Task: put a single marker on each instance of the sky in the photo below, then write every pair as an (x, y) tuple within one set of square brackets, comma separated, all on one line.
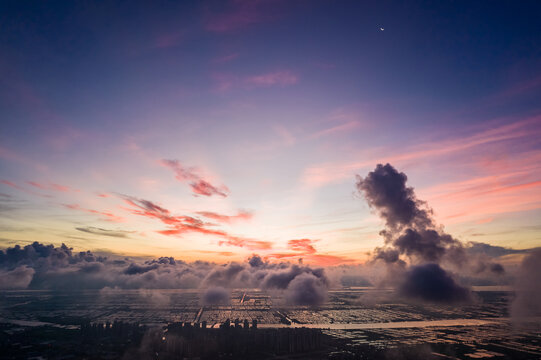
[(216, 130)]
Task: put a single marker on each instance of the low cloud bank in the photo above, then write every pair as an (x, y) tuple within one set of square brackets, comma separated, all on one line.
[(38, 266)]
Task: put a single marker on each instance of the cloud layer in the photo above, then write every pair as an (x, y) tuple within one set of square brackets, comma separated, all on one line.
[(39, 266)]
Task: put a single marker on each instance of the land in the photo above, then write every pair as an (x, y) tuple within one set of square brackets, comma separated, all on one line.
[(355, 323)]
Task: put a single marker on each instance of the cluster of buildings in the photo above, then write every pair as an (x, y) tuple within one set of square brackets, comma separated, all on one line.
[(118, 330), (238, 338)]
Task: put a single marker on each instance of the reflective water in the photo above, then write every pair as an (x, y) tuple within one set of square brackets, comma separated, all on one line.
[(393, 325)]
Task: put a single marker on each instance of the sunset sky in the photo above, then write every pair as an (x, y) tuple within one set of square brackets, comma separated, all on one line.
[(215, 130)]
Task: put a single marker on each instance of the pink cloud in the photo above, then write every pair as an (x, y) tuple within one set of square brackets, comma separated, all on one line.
[(302, 245), (152, 210), (241, 215), (505, 185), (328, 260), (21, 188), (504, 135), (304, 249), (199, 185), (247, 243), (179, 225), (483, 196), (222, 253), (12, 184), (500, 170), (203, 187), (52, 186)]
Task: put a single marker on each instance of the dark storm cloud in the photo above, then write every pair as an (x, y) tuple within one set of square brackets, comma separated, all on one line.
[(410, 231), (385, 190), (38, 266), (412, 234), (427, 244), (430, 282), (103, 232)]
